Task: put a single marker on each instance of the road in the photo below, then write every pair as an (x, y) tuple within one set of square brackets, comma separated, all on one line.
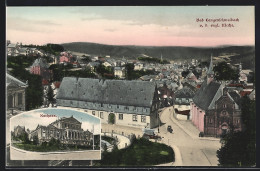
[(194, 151)]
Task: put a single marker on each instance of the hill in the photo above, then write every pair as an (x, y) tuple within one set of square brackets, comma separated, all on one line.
[(243, 53)]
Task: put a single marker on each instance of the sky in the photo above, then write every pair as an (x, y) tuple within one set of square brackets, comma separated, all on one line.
[(131, 25), (32, 118)]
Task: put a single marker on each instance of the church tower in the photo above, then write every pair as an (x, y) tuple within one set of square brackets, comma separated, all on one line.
[(210, 73)]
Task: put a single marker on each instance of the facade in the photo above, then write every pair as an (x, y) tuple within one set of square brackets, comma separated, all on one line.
[(19, 130), (214, 110), (225, 116), (131, 103), (15, 93), (67, 130), (120, 72), (183, 98), (41, 67)]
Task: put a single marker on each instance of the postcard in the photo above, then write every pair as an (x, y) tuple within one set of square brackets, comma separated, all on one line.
[(129, 86)]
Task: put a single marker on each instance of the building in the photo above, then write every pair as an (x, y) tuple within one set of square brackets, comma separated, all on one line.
[(215, 110), (120, 72), (19, 130), (183, 98), (166, 95), (65, 57), (41, 67), (67, 130), (128, 103), (15, 93)]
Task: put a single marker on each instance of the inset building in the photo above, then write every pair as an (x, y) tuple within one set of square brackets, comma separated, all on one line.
[(67, 130)]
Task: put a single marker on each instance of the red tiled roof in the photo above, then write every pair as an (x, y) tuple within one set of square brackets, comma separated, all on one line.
[(57, 84), (244, 93), (45, 82)]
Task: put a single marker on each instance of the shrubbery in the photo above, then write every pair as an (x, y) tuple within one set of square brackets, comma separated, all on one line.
[(141, 152)]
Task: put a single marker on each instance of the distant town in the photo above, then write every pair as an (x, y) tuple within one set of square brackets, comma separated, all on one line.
[(185, 101)]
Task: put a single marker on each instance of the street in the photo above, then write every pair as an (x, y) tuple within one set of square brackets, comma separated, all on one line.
[(194, 151)]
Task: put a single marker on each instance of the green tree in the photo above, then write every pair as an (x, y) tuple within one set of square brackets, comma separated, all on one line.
[(224, 72), (34, 91), (129, 71), (50, 95), (86, 59), (35, 140), (24, 138), (111, 118)]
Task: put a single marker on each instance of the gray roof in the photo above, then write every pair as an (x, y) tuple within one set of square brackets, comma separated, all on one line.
[(235, 97), (40, 62), (23, 49), (120, 92), (10, 80), (94, 64), (119, 68), (11, 45), (206, 94), (185, 92)]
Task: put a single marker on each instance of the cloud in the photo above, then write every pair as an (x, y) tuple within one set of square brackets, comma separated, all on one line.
[(110, 30), (29, 25)]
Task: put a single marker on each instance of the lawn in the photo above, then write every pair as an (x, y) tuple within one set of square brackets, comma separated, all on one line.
[(141, 152)]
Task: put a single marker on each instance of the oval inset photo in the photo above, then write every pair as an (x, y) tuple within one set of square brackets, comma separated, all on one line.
[(55, 134)]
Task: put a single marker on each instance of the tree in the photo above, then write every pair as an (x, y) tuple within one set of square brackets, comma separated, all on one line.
[(111, 118), (224, 72), (86, 59), (129, 71), (35, 140), (24, 138), (185, 73), (50, 95), (105, 147)]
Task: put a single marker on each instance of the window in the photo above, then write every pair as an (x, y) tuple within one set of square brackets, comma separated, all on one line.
[(210, 120), (101, 115), (120, 116), (224, 105), (224, 112), (93, 112), (43, 133), (135, 118), (143, 119), (237, 121), (126, 108), (101, 104)]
